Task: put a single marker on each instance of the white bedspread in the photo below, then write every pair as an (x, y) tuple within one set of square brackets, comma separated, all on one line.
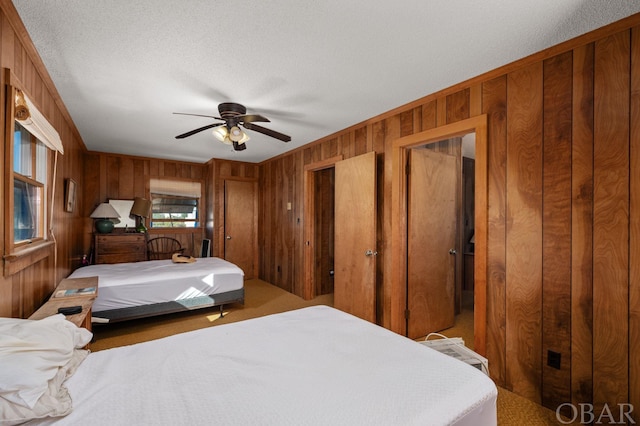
[(122, 285), (313, 366)]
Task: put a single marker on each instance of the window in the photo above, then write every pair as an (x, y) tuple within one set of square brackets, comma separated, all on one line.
[(31, 143), (29, 178), (174, 204), (169, 211)]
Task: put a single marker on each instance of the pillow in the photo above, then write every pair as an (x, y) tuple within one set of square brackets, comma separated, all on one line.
[(55, 402), (32, 352)]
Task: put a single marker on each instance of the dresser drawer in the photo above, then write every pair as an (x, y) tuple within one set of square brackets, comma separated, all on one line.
[(120, 258), (105, 245), (118, 248)]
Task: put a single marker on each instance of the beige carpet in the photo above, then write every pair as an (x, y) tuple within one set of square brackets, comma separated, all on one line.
[(262, 299)]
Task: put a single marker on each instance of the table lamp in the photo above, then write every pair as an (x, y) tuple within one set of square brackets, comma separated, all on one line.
[(140, 208), (104, 213)]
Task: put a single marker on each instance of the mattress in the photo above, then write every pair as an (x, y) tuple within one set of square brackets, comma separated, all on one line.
[(124, 285), (313, 366)]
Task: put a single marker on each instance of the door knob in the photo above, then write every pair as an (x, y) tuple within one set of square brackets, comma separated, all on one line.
[(228, 237), (370, 253), (453, 251)]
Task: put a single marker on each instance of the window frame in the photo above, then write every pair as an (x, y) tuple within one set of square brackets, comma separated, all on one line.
[(13, 248), (178, 187), (41, 234), (197, 219)]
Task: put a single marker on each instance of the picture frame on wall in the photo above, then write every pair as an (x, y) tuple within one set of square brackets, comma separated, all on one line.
[(70, 195)]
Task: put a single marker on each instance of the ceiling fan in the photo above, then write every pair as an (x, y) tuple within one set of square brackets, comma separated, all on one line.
[(229, 132)]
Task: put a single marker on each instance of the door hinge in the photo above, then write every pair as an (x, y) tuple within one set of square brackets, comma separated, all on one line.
[(406, 313)]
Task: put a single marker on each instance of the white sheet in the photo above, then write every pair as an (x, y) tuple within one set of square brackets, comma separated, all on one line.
[(313, 366), (122, 285)]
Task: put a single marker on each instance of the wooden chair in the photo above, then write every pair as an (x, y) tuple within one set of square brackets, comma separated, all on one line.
[(163, 248)]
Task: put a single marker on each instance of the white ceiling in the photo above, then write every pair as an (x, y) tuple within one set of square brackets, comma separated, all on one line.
[(123, 67)]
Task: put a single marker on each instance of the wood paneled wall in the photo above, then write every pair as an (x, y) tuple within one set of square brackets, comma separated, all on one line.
[(563, 208), (23, 292), (114, 176)]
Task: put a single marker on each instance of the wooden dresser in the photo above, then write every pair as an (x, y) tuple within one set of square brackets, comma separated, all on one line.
[(120, 247)]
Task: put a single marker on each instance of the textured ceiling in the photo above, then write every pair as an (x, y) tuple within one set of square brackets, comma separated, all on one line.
[(312, 67)]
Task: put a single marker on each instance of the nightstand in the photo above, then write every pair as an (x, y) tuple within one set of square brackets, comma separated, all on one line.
[(50, 307)]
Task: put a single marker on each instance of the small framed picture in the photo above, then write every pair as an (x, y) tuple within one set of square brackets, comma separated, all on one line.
[(70, 195)]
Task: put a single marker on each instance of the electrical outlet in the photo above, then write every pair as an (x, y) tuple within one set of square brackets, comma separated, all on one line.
[(553, 359)]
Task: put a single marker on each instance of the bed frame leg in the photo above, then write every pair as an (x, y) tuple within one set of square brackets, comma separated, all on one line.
[(221, 312)]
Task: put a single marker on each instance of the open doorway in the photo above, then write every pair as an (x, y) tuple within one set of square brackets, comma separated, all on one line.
[(346, 233), (319, 227), (440, 228), (399, 236), (463, 322), (464, 317), (323, 250)]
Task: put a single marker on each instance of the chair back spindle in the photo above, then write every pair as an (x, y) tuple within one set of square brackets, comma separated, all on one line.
[(163, 248)]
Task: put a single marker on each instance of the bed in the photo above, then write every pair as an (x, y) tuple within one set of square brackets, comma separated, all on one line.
[(155, 287), (312, 366)]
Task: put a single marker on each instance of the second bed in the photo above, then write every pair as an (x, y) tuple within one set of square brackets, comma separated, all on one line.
[(155, 287)]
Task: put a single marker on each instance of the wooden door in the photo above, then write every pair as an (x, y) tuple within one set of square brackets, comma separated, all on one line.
[(433, 183), (240, 225), (355, 236)]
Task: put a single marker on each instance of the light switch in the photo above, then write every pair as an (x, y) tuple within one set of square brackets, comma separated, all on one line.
[(289, 206)]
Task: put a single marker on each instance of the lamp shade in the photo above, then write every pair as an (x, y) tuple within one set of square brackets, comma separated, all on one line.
[(141, 207), (104, 213)]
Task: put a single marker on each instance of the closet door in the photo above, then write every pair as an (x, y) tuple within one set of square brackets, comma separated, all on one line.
[(355, 236), (240, 225), (431, 251)]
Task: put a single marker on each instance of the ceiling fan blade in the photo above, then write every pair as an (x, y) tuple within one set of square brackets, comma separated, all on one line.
[(239, 146), (197, 115), (250, 118), (198, 130), (268, 132)]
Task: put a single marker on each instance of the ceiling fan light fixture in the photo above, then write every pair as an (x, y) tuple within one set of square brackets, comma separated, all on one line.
[(222, 134), (245, 137), (230, 132), (237, 135)]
